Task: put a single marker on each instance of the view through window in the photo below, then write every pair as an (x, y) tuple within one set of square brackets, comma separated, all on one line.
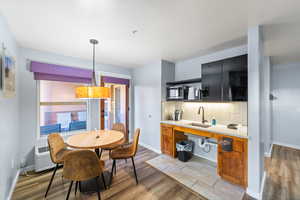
[(60, 110)]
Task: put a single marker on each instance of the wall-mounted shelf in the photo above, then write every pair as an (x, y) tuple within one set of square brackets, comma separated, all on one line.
[(188, 81)]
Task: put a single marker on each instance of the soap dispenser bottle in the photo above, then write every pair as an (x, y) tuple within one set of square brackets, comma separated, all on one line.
[(213, 121)]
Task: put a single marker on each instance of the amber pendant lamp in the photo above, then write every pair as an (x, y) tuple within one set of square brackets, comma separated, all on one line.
[(93, 91)]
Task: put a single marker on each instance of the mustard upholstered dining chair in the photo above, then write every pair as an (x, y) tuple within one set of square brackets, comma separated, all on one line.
[(83, 165), (117, 127), (58, 150), (126, 153)]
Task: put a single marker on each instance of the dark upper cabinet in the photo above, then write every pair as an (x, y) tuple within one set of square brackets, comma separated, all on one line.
[(212, 81), (225, 80), (235, 79)]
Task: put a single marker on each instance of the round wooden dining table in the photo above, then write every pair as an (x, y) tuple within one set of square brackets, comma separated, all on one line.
[(94, 140)]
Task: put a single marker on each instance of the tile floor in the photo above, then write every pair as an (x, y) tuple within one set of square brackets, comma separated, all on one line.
[(199, 175)]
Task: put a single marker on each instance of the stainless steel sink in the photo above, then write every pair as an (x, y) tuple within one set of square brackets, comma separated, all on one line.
[(200, 125)]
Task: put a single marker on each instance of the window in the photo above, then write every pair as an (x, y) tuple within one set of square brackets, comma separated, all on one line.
[(60, 110)]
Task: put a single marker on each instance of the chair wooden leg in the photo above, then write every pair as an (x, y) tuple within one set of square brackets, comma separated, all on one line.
[(50, 183), (136, 179), (100, 153), (97, 152), (79, 186), (99, 197), (76, 186), (115, 167), (103, 180), (69, 190), (112, 171)]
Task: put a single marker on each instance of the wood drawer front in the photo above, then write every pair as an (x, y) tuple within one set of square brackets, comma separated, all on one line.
[(167, 131), (238, 146), (194, 131)]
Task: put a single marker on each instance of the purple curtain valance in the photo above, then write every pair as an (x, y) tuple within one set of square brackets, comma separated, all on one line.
[(109, 79), (52, 72)]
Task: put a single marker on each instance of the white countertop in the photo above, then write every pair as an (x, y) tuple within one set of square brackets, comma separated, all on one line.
[(222, 129)]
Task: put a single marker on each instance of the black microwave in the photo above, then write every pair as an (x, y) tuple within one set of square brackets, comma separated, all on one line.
[(177, 92)]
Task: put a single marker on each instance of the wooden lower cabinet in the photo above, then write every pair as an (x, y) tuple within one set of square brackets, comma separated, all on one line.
[(232, 166), (168, 139)]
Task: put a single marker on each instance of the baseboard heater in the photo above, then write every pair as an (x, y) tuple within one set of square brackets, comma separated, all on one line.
[(42, 160)]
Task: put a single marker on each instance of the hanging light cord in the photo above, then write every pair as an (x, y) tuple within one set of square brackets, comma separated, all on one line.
[(94, 74), (94, 42)]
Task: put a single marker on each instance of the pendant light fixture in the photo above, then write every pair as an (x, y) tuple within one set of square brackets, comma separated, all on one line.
[(93, 91)]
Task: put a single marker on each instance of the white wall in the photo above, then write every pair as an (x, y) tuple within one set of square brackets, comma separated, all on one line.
[(191, 68), (9, 123), (285, 86), (255, 148), (147, 101), (28, 95), (266, 105)]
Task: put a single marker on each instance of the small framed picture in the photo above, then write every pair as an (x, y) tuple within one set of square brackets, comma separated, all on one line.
[(1, 81), (8, 76)]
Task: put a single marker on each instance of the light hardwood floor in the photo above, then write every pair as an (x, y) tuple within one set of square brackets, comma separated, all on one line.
[(283, 175), (152, 184)]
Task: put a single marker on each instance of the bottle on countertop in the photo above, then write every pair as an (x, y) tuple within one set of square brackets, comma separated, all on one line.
[(213, 121)]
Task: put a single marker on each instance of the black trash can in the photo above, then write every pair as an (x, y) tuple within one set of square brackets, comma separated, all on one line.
[(184, 150)]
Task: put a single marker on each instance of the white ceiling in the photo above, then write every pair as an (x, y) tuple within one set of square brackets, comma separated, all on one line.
[(167, 29)]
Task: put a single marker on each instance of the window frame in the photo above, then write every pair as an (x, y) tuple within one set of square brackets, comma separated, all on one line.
[(65, 133)]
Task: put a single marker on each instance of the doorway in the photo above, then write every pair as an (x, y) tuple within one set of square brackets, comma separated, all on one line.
[(115, 109)]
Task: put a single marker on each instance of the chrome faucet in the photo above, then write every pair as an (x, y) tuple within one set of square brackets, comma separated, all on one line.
[(203, 116)]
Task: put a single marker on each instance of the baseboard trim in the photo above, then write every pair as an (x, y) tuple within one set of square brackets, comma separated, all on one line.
[(287, 145), (269, 154), (262, 185), (13, 185), (253, 194), (26, 169), (149, 147)]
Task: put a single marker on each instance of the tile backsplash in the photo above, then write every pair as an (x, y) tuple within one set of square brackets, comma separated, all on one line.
[(225, 113)]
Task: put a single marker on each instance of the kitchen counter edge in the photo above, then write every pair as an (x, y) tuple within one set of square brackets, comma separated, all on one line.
[(219, 129)]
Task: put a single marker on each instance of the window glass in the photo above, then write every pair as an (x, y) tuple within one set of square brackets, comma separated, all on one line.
[(60, 110)]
